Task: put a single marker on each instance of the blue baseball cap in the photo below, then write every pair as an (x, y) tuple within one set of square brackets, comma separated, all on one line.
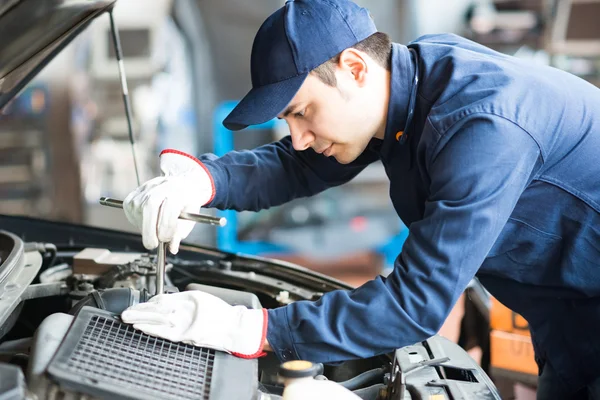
[(293, 41)]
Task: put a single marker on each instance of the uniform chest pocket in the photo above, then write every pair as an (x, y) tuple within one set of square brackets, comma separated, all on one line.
[(526, 245)]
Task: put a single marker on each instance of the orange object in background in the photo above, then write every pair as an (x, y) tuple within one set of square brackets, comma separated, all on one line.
[(504, 319), (512, 354)]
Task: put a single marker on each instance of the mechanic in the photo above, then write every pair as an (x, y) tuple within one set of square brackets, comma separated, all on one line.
[(493, 166)]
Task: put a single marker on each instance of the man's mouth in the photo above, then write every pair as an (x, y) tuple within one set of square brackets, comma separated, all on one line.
[(325, 151)]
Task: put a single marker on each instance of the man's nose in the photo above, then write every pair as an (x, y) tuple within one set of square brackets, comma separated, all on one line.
[(301, 139)]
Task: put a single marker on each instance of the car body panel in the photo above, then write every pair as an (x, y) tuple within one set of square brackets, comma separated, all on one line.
[(33, 32)]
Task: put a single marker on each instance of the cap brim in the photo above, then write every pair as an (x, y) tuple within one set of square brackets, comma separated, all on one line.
[(263, 103)]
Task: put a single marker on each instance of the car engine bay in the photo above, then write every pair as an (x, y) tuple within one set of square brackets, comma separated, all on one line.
[(61, 336)]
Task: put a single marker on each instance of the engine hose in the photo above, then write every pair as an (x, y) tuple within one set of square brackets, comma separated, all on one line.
[(43, 248), (363, 379), (51, 248), (115, 300)]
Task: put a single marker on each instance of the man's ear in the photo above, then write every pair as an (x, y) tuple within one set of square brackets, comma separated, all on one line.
[(355, 63)]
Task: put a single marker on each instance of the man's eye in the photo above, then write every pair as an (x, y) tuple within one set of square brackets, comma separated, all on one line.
[(299, 114)]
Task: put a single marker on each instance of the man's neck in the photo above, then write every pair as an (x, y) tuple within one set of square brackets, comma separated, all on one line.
[(385, 89)]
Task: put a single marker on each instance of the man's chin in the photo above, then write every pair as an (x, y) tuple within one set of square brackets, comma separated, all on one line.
[(343, 158)]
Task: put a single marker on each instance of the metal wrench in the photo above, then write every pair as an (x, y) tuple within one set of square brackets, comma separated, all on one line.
[(200, 218), (160, 267), (162, 246)]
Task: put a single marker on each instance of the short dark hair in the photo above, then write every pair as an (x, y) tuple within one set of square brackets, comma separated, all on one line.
[(378, 46)]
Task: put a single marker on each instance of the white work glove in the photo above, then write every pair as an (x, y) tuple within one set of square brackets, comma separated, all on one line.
[(154, 207), (201, 319)]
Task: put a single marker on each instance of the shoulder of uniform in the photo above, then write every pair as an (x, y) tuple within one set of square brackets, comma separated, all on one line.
[(442, 38)]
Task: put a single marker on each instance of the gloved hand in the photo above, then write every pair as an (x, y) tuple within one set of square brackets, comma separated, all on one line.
[(201, 319), (154, 207)]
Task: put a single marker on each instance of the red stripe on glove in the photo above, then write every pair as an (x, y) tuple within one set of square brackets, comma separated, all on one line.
[(259, 352), (181, 153)]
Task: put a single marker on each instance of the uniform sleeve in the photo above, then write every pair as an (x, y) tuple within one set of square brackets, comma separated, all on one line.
[(477, 173), (274, 174)]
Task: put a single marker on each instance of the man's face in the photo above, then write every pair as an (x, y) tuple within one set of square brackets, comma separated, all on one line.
[(336, 121)]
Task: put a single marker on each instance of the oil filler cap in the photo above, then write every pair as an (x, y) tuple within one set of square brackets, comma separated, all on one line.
[(299, 369)]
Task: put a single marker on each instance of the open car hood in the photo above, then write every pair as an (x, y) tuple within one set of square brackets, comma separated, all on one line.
[(33, 32)]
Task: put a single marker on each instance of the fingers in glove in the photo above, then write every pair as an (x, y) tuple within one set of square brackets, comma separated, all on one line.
[(184, 228), (174, 244), (158, 331), (149, 307), (141, 316), (134, 201), (150, 221), (168, 219), (130, 209)]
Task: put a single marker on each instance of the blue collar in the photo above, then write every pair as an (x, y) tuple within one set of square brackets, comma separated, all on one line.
[(404, 83)]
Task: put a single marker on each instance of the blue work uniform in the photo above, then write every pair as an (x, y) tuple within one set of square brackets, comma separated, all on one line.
[(496, 173)]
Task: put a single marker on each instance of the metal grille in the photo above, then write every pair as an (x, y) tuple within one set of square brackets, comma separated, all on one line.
[(115, 353)]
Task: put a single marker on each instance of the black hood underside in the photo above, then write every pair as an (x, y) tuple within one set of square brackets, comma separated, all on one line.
[(33, 32)]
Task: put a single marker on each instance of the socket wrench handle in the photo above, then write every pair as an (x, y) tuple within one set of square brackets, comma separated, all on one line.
[(161, 271), (200, 218)]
